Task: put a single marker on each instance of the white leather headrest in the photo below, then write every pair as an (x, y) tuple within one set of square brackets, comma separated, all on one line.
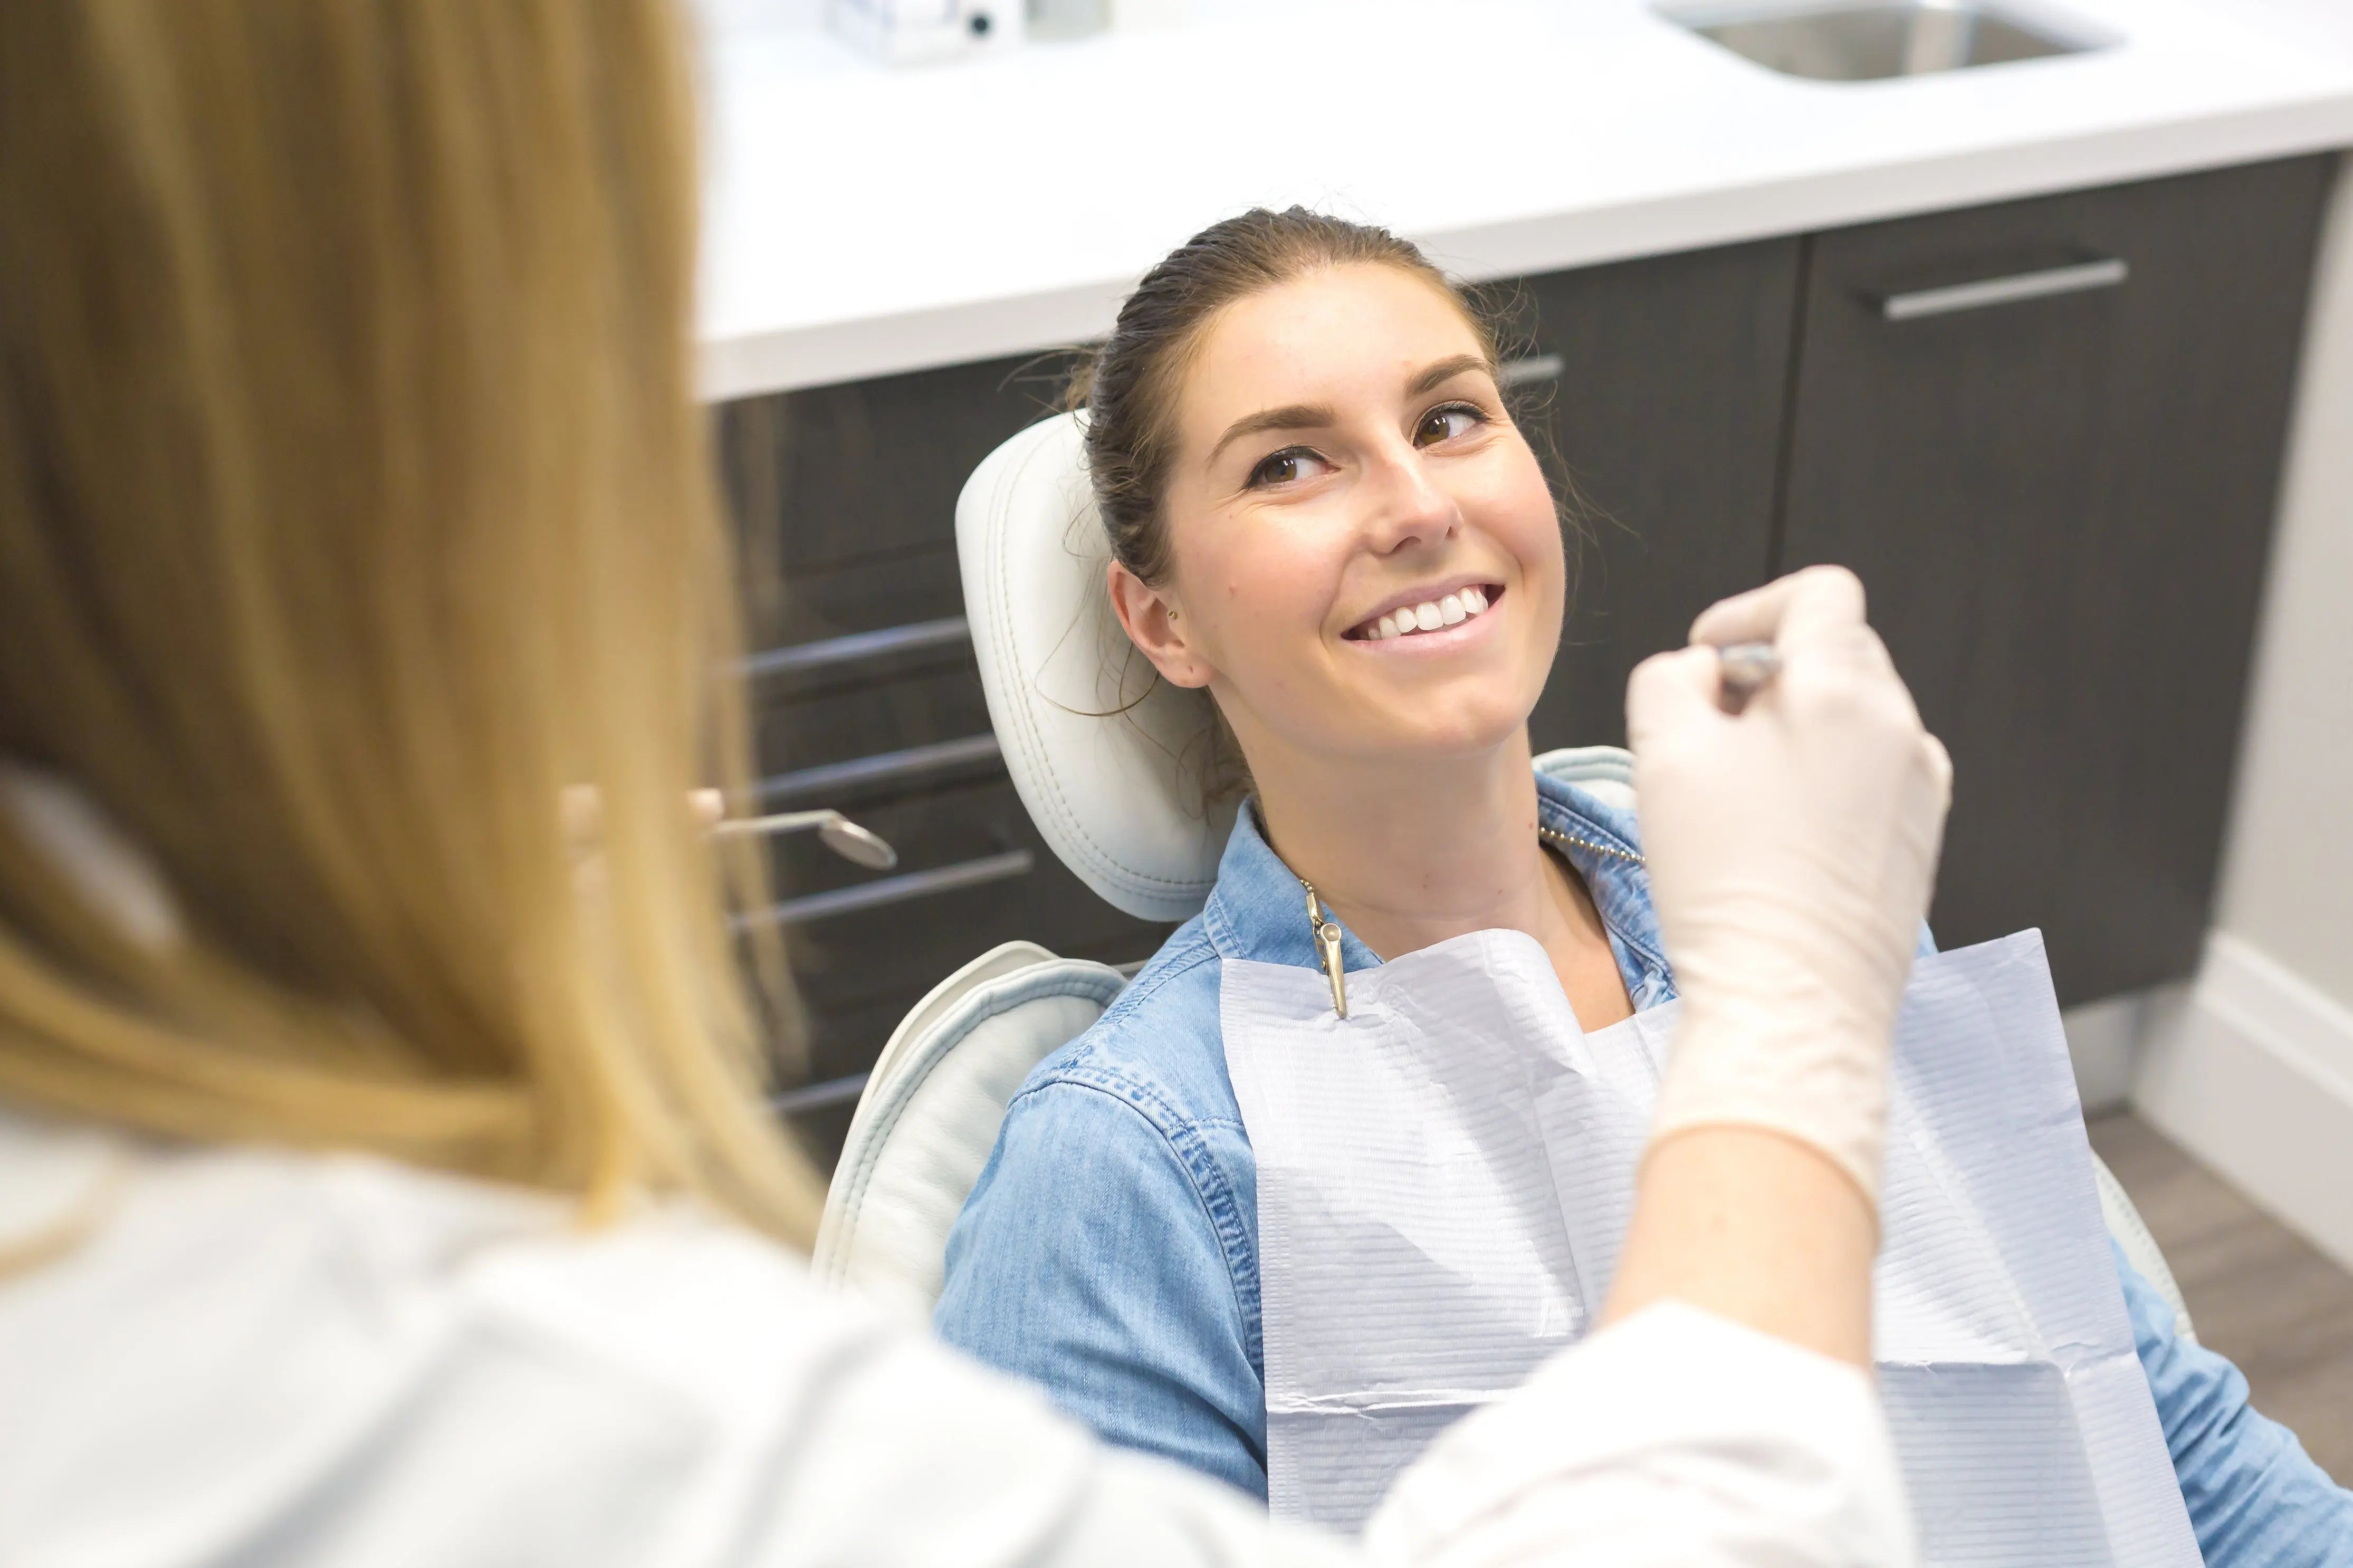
[(1106, 756), (931, 1112)]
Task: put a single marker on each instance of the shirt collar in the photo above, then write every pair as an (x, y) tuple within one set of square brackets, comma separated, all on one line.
[(1258, 912)]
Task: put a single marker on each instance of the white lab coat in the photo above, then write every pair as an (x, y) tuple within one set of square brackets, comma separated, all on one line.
[(237, 1356)]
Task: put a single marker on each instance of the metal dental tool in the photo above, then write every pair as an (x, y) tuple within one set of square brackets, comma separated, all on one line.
[(1748, 667), (859, 845)]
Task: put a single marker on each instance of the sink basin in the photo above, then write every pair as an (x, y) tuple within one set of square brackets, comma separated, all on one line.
[(1869, 40)]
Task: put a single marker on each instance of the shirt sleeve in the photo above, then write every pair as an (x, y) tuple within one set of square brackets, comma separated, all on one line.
[(2255, 1497), (1093, 1259)]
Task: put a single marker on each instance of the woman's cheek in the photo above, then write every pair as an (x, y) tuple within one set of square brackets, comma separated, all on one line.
[(1288, 581), (1272, 613), (1534, 520)]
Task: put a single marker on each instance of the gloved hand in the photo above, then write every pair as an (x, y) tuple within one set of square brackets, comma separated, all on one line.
[(1792, 849)]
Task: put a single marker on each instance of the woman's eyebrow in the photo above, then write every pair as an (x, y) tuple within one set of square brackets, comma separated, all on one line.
[(1443, 370), (1313, 415), (1292, 417)]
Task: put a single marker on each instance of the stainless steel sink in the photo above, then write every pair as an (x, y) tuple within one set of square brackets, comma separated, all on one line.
[(1844, 40)]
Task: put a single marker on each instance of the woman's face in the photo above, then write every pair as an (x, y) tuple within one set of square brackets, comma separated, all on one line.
[(1366, 562)]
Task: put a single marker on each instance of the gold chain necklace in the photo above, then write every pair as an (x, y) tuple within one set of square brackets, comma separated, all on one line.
[(1326, 930)]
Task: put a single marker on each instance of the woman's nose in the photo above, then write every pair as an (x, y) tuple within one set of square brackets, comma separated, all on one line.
[(1408, 506)]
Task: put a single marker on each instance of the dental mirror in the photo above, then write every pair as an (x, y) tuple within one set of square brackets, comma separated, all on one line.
[(859, 845)]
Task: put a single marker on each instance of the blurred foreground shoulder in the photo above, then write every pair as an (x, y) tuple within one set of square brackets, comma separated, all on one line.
[(362, 1363)]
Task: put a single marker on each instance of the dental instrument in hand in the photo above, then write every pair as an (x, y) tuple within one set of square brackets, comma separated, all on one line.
[(583, 810), (860, 846), (1747, 668)]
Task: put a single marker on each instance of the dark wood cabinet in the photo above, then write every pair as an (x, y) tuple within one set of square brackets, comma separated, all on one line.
[(1664, 417), (869, 469), (2060, 506), (2047, 433), (866, 699)]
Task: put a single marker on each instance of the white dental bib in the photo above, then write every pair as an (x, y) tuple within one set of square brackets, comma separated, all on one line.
[(1444, 1178)]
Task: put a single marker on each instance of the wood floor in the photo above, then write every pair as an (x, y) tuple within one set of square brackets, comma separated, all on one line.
[(2257, 1292)]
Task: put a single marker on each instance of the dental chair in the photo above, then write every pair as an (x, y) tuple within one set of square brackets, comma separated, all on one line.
[(1101, 757)]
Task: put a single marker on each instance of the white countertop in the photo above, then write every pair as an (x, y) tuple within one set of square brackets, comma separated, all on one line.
[(863, 220)]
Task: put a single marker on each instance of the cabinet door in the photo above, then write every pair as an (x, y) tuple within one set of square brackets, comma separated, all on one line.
[(867, 698), (2060, 503), (1664, 412), (873, 468)]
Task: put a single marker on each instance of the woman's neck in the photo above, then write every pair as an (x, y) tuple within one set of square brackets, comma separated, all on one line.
[(1408, 854)]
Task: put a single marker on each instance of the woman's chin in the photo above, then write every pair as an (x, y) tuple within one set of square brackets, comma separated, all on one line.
[(1474, 711), (1423, 733)]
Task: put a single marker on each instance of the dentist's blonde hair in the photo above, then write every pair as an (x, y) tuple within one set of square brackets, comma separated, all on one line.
[(352, 504)]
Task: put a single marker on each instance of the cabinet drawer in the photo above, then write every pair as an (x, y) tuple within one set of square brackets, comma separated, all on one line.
[(2047, 434), (851, 721), (1659, 391), (971, 873), (814, 605), (835, 474)]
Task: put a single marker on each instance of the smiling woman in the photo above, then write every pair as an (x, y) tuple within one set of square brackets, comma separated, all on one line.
[(1349, 543), (1322, 514)]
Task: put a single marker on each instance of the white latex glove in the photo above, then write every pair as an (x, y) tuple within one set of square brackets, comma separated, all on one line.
[(1792, 849)]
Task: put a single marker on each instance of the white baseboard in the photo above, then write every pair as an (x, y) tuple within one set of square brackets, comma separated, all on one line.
[(2104, 1043), (2250, 1070)]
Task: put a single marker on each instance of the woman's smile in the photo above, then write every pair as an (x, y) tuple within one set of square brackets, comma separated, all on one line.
[(1432, 620)]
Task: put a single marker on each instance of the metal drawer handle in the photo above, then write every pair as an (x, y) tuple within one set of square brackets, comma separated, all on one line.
[(894, 889), (2108, 272), (883, 767), (1536, 367), (819, 1096), (827, 652)]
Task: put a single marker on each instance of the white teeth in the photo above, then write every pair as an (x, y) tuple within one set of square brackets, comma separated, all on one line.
[(1450, 610)]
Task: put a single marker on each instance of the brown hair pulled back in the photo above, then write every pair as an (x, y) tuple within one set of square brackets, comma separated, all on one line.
[(1131, 386)]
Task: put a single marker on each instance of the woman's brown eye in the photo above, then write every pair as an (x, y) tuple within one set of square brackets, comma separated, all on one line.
[(1444, 423), (1279, 470)]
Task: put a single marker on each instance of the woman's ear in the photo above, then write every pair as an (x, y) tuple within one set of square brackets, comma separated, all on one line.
[(1156, 627)]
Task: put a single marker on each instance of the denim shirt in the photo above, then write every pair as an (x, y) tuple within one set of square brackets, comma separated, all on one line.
[(1109, 1251)]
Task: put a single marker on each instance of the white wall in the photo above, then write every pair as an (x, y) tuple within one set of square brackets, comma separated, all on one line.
[(2251, 1068), (2287, 875), (2287, 883)]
